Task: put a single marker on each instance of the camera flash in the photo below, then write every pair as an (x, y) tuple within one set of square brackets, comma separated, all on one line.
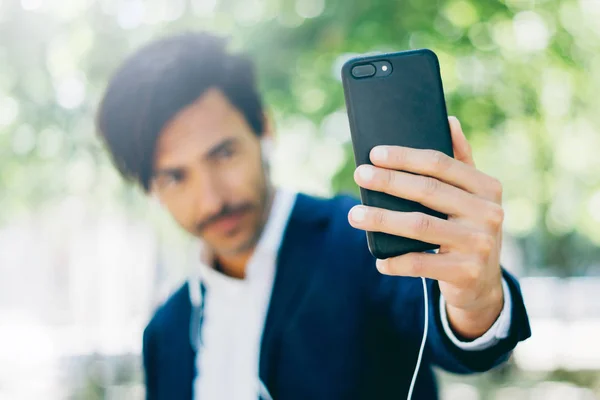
[(384, 68)]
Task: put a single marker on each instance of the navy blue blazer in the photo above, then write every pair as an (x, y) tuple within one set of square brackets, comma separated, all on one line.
[(335, 328)]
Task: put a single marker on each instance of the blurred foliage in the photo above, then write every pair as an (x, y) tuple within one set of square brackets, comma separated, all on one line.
[(587, 379), (490, 384), (518, 73)]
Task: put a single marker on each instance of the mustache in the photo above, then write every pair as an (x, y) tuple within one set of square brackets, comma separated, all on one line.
[(226, 211)]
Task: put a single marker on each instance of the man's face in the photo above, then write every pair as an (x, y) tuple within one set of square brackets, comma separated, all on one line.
[(209, 174)]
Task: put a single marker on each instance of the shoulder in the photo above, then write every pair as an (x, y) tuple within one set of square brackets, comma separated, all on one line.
[(349, 249), (338, 203), (342, 203), (173, 312), (348, 244), (335, 209)]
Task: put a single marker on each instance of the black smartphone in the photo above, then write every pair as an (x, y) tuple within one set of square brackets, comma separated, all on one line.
[(396, 99)]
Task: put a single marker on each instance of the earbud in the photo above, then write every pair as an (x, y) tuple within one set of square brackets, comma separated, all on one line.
[(266, 146), (155, 200)]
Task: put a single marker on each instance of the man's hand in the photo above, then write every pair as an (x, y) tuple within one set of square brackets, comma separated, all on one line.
[(467, 264)]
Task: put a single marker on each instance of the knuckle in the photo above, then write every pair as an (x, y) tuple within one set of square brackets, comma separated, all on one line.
[(472, 271), (389, 178), (421, 223), (379, 218), (495, 215), (430, 187), (417, 265), (483, 243), (496, 188), (439, 160)]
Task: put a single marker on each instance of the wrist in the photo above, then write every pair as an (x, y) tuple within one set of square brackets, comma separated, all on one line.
[(473, 322)]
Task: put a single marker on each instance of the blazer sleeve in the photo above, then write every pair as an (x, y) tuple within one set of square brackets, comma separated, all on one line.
[(452, 358), (402, 300), (149, 359)]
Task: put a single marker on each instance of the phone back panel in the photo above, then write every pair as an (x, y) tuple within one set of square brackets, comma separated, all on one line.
[(406, 108)]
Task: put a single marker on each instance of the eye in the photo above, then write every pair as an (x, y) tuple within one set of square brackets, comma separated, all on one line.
[(224, 153), (172, 178), (176, 176)]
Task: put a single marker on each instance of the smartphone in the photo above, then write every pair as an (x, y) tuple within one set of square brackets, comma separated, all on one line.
[(396, 99)]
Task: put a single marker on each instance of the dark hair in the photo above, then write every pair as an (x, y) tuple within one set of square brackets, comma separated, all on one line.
[(157, 82)]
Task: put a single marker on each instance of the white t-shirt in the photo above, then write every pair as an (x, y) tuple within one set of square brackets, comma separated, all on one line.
[(234, 316)]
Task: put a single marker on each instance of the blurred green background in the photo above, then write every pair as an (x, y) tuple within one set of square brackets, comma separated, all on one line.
[(520, 74)]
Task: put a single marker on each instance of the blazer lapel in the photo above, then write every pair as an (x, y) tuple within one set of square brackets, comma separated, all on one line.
[(297, 259)]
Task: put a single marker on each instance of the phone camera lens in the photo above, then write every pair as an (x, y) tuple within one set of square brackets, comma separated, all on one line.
[(363, 71)]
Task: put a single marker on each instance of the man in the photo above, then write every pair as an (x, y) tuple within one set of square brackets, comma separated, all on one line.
[(289, 303)]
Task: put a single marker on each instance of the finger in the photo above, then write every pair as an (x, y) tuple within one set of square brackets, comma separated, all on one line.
[(460, 144), (450, 267), (430, 192), (440, 166), (414, 225)]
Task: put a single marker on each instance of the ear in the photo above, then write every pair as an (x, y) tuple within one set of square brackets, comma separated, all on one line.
[(267, 138)]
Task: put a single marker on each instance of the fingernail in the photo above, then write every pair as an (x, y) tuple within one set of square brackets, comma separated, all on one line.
[(452, 117), (366, 172), (359, 213), (381, 266), (379, 153)]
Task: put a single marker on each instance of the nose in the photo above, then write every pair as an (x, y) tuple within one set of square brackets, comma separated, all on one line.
[(208, 200)]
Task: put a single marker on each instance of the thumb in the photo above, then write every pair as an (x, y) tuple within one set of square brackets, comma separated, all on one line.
[(460, 144)]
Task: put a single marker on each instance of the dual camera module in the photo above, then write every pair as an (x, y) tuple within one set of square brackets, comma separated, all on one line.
[(377, 69)]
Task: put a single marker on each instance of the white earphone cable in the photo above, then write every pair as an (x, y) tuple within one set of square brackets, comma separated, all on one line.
[(425, 329)]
